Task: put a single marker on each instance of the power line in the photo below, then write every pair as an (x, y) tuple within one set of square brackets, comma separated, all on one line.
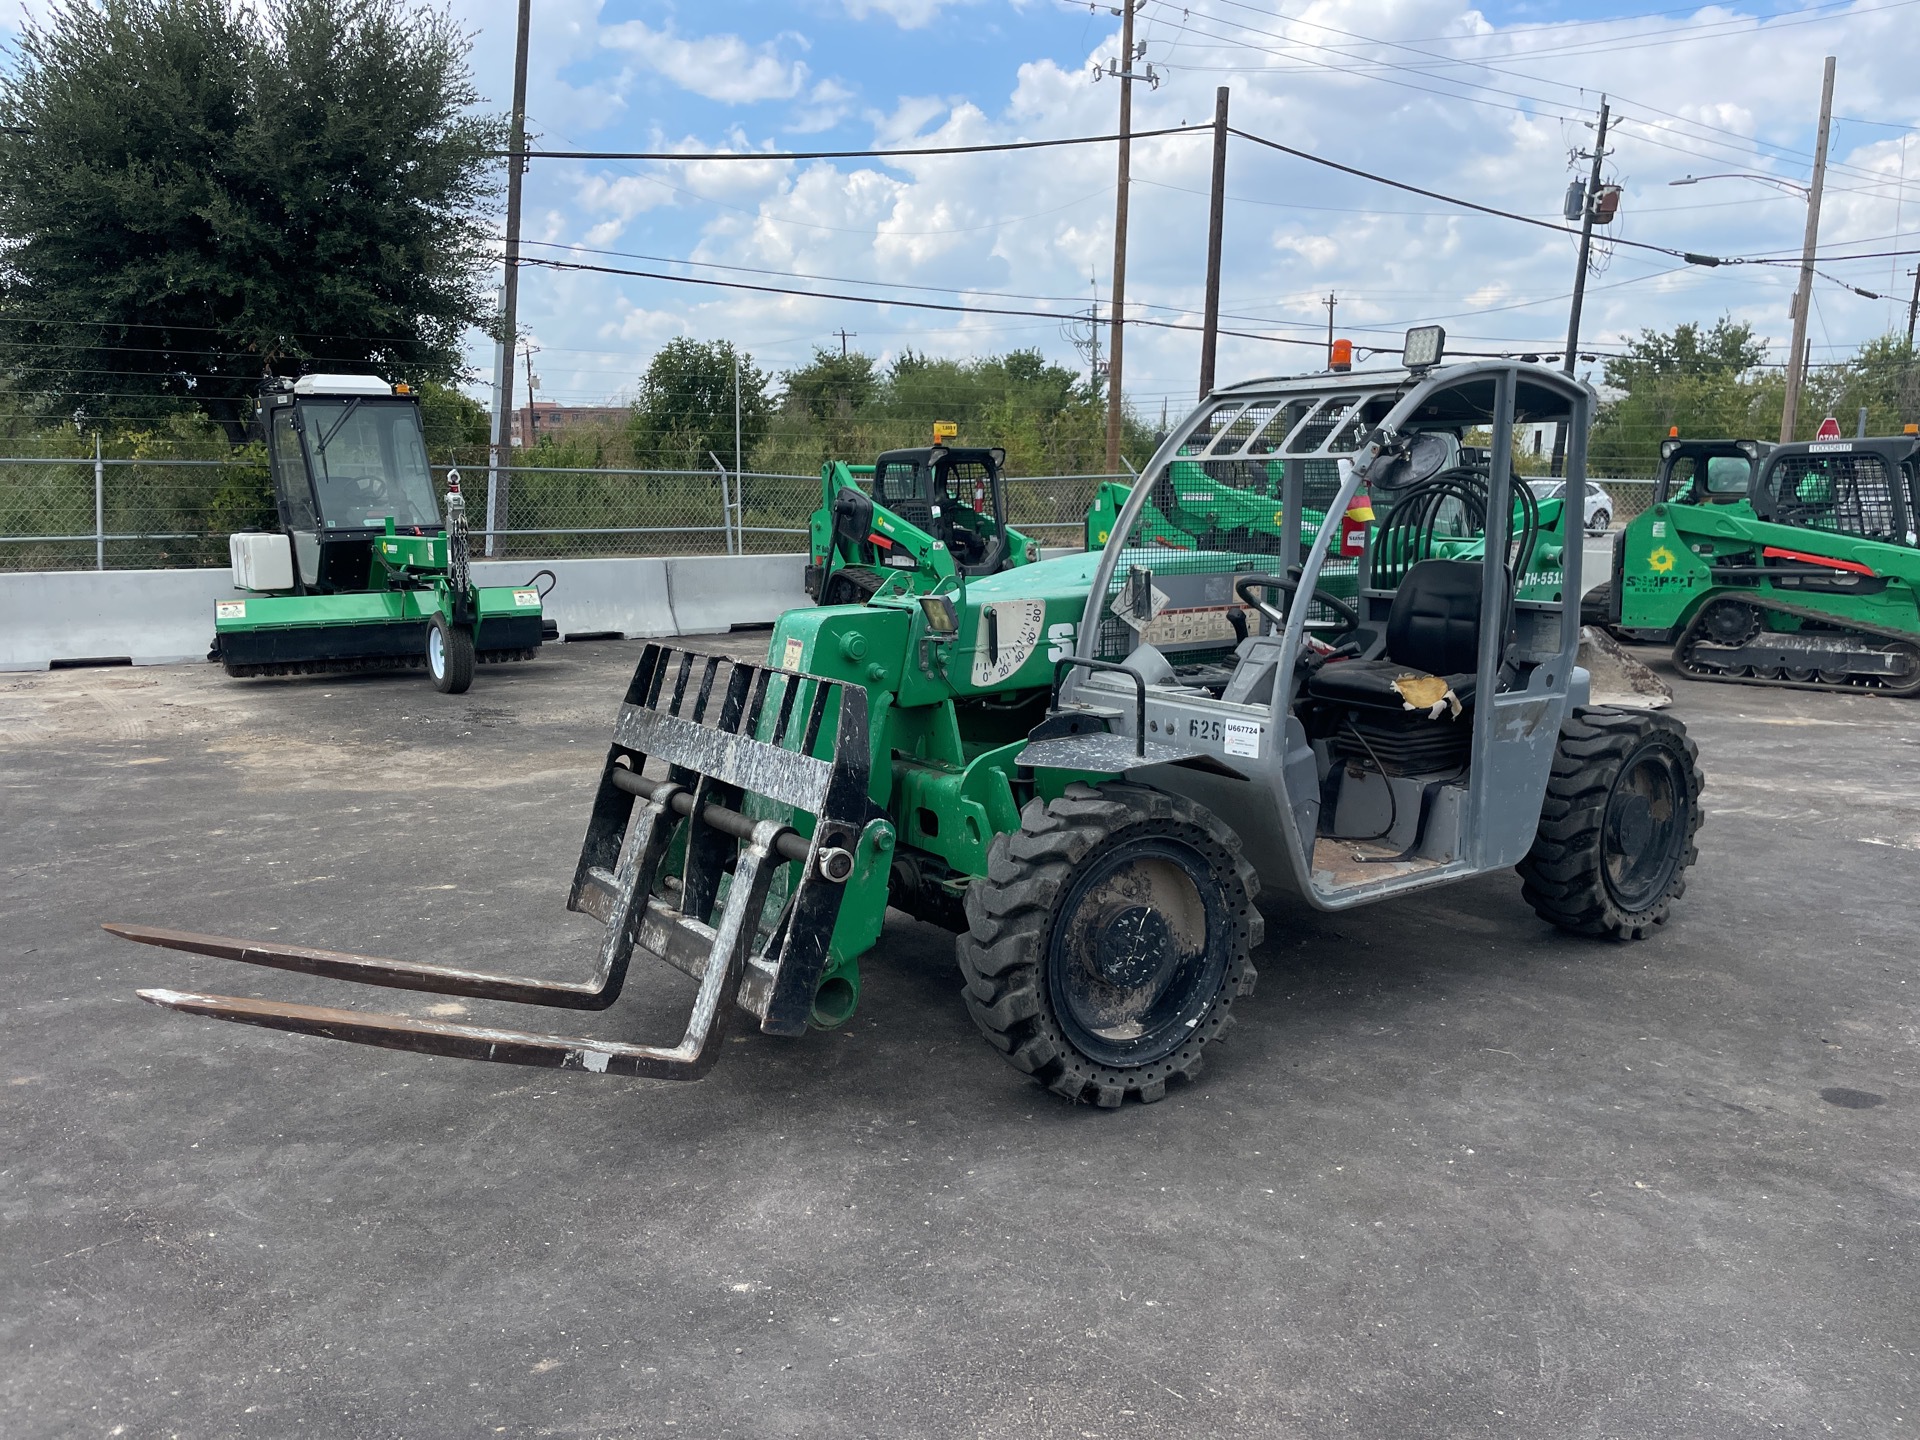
[(1000, 147)]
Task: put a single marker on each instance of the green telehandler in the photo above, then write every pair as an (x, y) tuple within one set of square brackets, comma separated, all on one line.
[(1093, 768), (1812, 582), (922, 517), (363, 573)]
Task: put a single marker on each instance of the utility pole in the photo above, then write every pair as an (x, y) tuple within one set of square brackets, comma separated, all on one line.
[(1803, 296), (500, 452), (1216, 227), (1580, 278), (533, 383), (1329, 302), (1116, 345), (1913, 305), (844, 334)]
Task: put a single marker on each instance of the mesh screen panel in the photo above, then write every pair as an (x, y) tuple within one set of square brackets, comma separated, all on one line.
[(1845, 494), (1216, 513)]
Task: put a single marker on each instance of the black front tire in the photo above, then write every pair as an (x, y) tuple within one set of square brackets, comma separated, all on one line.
[(1617, 826), (1108, 941), (449, 656)]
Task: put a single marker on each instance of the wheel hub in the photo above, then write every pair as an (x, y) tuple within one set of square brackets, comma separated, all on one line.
[(1138, 949), (1645, 830), (1132, 947), (1633, 823), (1730, 622)]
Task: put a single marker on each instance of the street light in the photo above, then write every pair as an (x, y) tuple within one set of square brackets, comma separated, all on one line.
[(1794, 185), (1803, 293)]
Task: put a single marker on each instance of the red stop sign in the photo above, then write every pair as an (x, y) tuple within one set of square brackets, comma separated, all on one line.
[(1829, 429)]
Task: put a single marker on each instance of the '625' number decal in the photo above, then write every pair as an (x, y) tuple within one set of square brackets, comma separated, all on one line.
[(1204, 730)]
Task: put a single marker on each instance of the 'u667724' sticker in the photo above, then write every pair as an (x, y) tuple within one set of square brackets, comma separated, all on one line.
[(1243, 738), (229, 609)]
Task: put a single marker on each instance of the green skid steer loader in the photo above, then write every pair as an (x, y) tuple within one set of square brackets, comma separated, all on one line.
[(1813, 582), (1094, 768), (363, 574), (922, 517), (1691, 472)]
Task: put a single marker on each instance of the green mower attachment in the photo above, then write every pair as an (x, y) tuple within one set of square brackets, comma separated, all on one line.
[(731, 816)]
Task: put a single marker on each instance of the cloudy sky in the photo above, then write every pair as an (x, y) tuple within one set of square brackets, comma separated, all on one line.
[(1485, 104)]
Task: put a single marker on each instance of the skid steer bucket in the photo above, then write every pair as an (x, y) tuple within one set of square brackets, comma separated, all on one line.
[(725, 826)]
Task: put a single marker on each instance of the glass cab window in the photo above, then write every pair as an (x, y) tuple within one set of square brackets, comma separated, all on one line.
[(1728, 475), (369, 463)]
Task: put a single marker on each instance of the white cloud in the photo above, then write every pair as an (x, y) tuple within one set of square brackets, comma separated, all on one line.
[(907, 14), (719, 67), (827, 104)]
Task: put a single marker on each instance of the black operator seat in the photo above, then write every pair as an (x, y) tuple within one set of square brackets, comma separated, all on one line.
[(1433, 629)]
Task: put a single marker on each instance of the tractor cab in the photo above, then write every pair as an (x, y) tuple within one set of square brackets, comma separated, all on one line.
[(1707, 472), (348, 454), (1398, 734)]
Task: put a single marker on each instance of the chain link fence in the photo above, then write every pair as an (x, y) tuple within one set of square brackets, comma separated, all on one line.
[(89, 512), (83, 513), (1630, 498)]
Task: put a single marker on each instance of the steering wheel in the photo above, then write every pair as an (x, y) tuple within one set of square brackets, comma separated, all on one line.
[(1349, 617)]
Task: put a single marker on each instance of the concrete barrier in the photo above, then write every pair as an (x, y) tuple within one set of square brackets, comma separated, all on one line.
[(595, 597), (160, 617), (712, 592), (147, 617)]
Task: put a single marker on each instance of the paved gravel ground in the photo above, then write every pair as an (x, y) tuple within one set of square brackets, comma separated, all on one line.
[(1457, 1174)]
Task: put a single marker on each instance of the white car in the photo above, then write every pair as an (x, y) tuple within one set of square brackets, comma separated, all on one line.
[(1599, 504)]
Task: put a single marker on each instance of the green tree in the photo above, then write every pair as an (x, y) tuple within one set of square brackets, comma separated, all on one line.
[(686, 407), (198, 193), (1728, 347), (451, 419), (831, 385), (1703, 381), (1884, 376)]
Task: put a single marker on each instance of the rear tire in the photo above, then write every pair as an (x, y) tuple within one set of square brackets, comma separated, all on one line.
[(1601, 523), (1108, 941), (1617, 826), (449, 656)]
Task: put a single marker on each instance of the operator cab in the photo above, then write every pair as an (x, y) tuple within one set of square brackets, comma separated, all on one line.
[(347, 454), (953, 494), (1366, 717), (1707, 472)]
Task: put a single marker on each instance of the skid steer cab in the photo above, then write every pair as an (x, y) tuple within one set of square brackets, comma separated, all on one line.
[(911, 520), (1092, 768), (364, 572)]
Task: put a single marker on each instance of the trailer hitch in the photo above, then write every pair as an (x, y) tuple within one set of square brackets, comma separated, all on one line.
[(674, 866)]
